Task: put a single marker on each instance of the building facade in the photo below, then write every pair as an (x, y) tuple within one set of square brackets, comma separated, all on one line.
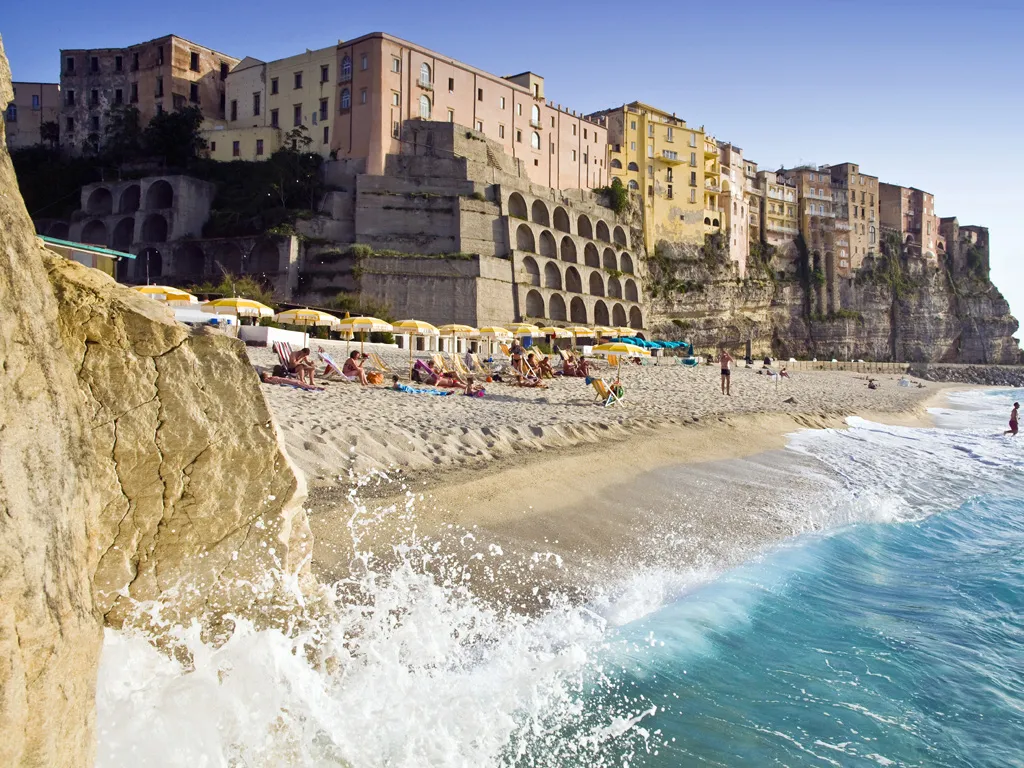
[(816, 214), (754, 196), (34, 105), (657, 155), (265, 101), (383, 81), (855, 202), (160, 75), (735, 204), (910, 212), (780, 218)]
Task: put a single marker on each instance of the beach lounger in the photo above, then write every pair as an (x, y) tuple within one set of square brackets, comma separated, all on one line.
[(613, 361), (457, 365), (331, 367), (441, 363), (284, 353), (377, 362), (605, 394), (505, 350), (478, 367)]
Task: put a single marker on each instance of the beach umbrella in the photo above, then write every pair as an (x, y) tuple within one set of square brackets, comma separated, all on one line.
[(237, 306), (415, 328), (577, 330), (363, 326), (621, 349), (558, 333), (601, 331), (307, 317), (167, 294), (624, 331), (494, 333), (524, 329), (456, 329)]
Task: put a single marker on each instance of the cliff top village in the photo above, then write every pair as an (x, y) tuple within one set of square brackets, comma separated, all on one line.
[(454, 195)]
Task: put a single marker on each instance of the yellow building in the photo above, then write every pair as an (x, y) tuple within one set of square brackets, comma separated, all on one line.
[(267, 100), (656, 154)]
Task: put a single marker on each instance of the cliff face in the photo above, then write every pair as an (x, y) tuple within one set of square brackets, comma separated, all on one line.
[(901, 310), (138, 461)]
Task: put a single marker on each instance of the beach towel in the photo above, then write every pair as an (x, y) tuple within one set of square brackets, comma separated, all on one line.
[(425, 391)]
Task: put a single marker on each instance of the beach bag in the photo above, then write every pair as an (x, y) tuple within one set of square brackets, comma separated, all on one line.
[(375, 377)]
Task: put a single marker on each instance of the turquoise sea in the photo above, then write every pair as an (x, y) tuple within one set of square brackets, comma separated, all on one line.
[(890, 632)]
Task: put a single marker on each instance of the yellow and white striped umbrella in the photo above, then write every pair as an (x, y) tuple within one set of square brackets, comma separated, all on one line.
[(238, 307), (167, 294), (307, 316), (622, 349), (602, 330), (415, 328), (558, 333), (363, 326), (495, 332), (524, 329)]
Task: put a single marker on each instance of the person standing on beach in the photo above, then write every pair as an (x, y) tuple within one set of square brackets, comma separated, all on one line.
[(1013, 421), (726, 360)]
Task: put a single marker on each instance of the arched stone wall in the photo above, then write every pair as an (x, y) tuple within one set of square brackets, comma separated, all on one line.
[(568, 250), (516, 206), (154, 229), (626, 263), (160, 195), (583, 227), (265, 258), (532, 270), (547, 245), (95, 233), (615, 291), (535, 304), (149, 265), (524, 239), (556, 308), (590, 256), (636, 318), (561, 219), (539, 213), (577, 310), (618, 315), (573, 282), (601, 313), (602, 232), (552, 277), (124, 234), (596, 284), (189, 261), (100, 202), (609, 260), (631, 292), (619, 236), (130, 199)]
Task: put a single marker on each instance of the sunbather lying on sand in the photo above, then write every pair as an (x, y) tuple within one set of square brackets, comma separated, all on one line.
[(267, 378), (524, 380), (444, 378), (400, 387), (473, 389)]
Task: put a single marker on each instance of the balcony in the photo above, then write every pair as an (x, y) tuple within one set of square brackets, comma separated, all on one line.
[(844, 225), (536, 124), (710, 186), (344, 77), (670, 157), (425, 85), (773, 227)]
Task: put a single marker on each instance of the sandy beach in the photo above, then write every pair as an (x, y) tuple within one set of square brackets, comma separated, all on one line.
[(551, 471)]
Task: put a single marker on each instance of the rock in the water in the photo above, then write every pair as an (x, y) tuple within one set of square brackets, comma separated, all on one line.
[(138, 462)]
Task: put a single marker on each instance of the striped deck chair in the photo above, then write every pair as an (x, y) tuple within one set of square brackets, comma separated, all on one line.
[(284, 353), (505, 350), (613, 361), (457, 365), (377, 362), (605, 394), (331, 367), (478, 367)]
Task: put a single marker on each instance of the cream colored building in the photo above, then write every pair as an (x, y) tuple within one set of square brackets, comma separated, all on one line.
[(659, 156), (780, 219), (268, 100), (33, 105), (855, 202), (754, 196), (735, 204), (383, 81)]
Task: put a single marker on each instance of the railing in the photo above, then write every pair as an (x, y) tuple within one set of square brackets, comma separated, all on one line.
[(535, 123), (344, 77), (858, 367), (425, 85)]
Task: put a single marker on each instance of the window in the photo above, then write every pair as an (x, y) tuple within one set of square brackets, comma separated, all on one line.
[(69, 124), (650, 150), (396, 64), (693, 158), (193, 92), (584, 134), (363, 96), (501, 131), (519, 109), (94, 98), (574, 133), (821, 208), (364, 62), (632, 125), (118, 97), (535, 141), (650, 169), (159, 87), (118, 64), (668, 176), (668, 193), (259, 147), (134, 97), (298, 80), (574, 155), (94, 123), (274, 121), (480, 95), (213, 146), (346, 99), (535, 115), (297, 115), (327, 133), (632, 146), (425, 107), (585, 158), (479, 123), (693, 178), (425, 74), (69, 64), (396, 129), (813, 178), (669, 154), (451, 115), (451, 85), (668, 134), (35, 101), (234, 109), (12, 113), (871, 235), (519, 138), (159, 55), (223, 70), (552, 121), (323, 109), (394, 99), (255, 104), (236, 149), (693, 139), (650, 130), (273, 85), (94, 64)]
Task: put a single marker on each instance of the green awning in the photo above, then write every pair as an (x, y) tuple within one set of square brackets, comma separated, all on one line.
[(86, 248)]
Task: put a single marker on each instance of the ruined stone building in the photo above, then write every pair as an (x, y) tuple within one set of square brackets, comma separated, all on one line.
[(33, 105), (163, 74)]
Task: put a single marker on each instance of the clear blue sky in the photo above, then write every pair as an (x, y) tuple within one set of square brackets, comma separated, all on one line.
[(926, 93)]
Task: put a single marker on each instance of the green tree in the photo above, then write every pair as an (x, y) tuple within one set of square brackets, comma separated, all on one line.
[(174, 136), (124, 134), (49, 132), (230, 286)]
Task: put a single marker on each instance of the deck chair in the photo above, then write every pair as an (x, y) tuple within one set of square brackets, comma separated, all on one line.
[(457, 365), (377, 362), (613, 361), (441, 363), (505, 350), (331, 367), (477, 367), (284, 353), (605, 394)]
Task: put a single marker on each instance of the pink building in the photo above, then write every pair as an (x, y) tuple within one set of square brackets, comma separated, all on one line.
[(383, 81), (910, 212)]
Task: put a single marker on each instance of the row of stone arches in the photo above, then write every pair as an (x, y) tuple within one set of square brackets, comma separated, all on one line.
[(194, 260), (556, 308), (567, 251), (538, 213), (159, 196), (552, 277), (96, 232)]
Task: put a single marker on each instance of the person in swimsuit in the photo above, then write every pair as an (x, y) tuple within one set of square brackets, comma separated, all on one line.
[(726, 360), (1013, 421), (300, 364), (353, 369)]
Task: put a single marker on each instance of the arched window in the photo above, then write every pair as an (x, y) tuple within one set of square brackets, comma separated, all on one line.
[(535, 115), (535, 140), (425, 73), (633, 185), (346, 98), (633, 167), (616, 164), (425, 107), (346, 68), (871, 235)]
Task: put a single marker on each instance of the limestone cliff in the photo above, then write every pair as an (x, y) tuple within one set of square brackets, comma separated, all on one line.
[(898, 309), (138, 461)]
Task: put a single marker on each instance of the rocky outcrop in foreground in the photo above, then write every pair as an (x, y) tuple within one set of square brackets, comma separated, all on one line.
[(138, 462)]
